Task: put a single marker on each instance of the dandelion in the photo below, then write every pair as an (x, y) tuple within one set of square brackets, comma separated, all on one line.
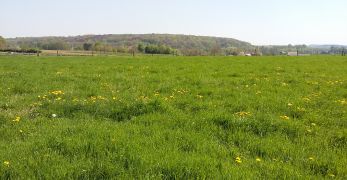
[(17, 119), (331, 175), (7, 163), (342, 102), (238, 160), (243, 114), (57, 92), (284, 117), (258, 159)]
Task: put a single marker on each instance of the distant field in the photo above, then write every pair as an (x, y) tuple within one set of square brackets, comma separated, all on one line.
[(173, 117)]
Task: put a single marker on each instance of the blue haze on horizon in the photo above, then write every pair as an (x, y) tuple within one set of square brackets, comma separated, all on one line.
[(258, 22)]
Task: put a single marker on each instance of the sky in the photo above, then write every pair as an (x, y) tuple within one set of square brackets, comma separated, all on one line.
[(260, 22)]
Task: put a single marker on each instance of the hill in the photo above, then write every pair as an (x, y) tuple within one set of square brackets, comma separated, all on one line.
[(187, 44)]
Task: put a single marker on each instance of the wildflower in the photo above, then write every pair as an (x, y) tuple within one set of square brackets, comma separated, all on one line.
[(238, 160), (199, 96), (7, 163), (342, 102), (243, 114), (284, 117), (17, 119), (54, 115), (57, 92), (258, 159)]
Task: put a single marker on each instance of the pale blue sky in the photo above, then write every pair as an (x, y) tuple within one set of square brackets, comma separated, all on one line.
[(259, 22)]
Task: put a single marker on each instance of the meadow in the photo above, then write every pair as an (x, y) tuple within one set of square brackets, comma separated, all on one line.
[(165, 117)]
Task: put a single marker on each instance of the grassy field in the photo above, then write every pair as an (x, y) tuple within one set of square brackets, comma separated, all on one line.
[(173, 117)]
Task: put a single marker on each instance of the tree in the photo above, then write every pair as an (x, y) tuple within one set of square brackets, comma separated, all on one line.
[(87, 46), (216, 49), (97, 46), (2, 43), (140, 48)]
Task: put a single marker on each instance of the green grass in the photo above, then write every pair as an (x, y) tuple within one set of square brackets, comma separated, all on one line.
[(173, 117)]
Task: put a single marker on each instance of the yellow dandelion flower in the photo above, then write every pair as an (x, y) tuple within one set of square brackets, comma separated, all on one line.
[(199, 96), (284, 117), (284, 84), (238, 160), (57, 92), (331, 175), (7, 163), (258, 159), (243, 114), (17, 119)]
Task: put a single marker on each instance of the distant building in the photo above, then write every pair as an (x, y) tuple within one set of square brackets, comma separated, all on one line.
[(292, 53)]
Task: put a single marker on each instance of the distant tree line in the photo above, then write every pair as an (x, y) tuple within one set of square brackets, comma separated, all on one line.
[(155, 49), (162, 44), (21, 50)]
